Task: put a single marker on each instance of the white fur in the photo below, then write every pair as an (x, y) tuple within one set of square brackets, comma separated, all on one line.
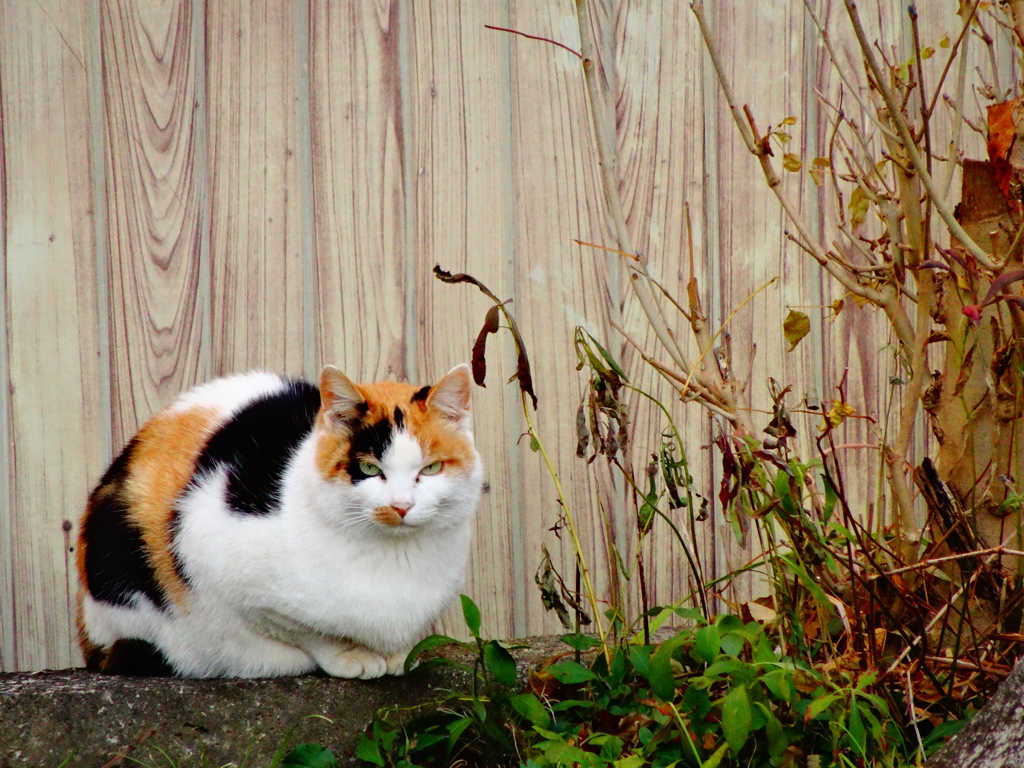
[(229, 395), (318, 583)]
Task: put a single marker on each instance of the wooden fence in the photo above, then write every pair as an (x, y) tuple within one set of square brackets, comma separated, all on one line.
[(191, 189)]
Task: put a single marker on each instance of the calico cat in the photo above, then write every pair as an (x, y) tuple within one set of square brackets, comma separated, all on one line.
[(260, 526)]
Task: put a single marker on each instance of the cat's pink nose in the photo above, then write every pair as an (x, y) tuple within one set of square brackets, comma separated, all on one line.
[(401, 507)]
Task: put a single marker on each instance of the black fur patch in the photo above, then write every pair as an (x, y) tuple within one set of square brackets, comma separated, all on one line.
[(257, 443), (135, 657), (116, 563), (368, 440), (421, 394), (399, 418)]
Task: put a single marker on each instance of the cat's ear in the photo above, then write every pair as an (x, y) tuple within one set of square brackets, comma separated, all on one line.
[(451, 394), (339, 397)]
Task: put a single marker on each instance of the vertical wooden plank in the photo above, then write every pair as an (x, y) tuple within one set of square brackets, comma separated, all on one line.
[(856, 343), (660, 117), (557, 197), (50, 322), (358, 151), (6, 475), (155, 191), (460, 161), (752, 244), (256, 198)]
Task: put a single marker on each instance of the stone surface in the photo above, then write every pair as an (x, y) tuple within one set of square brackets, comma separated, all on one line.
[(79, 719), (995, 737)]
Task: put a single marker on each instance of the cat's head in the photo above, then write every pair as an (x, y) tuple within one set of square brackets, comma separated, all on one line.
[(395, 458)]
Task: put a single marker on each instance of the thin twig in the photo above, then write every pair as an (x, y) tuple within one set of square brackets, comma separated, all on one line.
[(896, 115), (535, 37), (950, 558)]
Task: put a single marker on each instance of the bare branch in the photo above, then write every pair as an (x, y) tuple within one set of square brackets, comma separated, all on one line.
[(896, 115)]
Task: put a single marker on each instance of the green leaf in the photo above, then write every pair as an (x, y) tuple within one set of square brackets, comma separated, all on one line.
[(707, 643), (428, 643), (611, 746), (632, 761), (570, 672), (780, 683), (310, 756), (567, 704), (609, 359), (472, 616), (778, 741), (732, 643), (738, 669), (715, 760), (529, 707), (736, 718), (581, 642), (500, 663), (560, 753), (640, 658), (368, 751), (659, 673), (857, 734), (456, 729), (818, 706), (692, 614)]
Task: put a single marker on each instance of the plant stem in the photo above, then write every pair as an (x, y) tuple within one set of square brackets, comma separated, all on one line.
[(571, 525)]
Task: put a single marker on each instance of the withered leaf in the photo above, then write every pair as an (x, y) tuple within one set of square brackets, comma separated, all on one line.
[(523, 373), (1005, 279), (1001, 129), (839, 411), (795, 327), (582, 431), (858, 207), (791, 162), (823, 162), (480, 347)]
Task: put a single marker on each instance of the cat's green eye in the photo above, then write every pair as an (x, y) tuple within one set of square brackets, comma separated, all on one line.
[(368, 469), (432, 469)]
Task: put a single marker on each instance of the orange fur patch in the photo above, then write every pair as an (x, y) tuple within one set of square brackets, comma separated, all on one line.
[(162, 464), (438, 438)]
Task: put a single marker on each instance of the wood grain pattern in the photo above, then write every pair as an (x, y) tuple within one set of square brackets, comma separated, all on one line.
[(359, 148), (7, 577), (50, 323), (256, 198), (856, 347), (459, 159), (557, 197), (662, 170), (155, 191)]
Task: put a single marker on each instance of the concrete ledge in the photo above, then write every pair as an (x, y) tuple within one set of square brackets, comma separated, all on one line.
[(89, 719)]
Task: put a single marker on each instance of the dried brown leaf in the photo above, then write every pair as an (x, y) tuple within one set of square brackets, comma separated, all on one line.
[(480, 347)]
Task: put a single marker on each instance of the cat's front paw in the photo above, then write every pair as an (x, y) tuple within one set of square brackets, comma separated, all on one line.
[(351, 662), (396, 662)]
